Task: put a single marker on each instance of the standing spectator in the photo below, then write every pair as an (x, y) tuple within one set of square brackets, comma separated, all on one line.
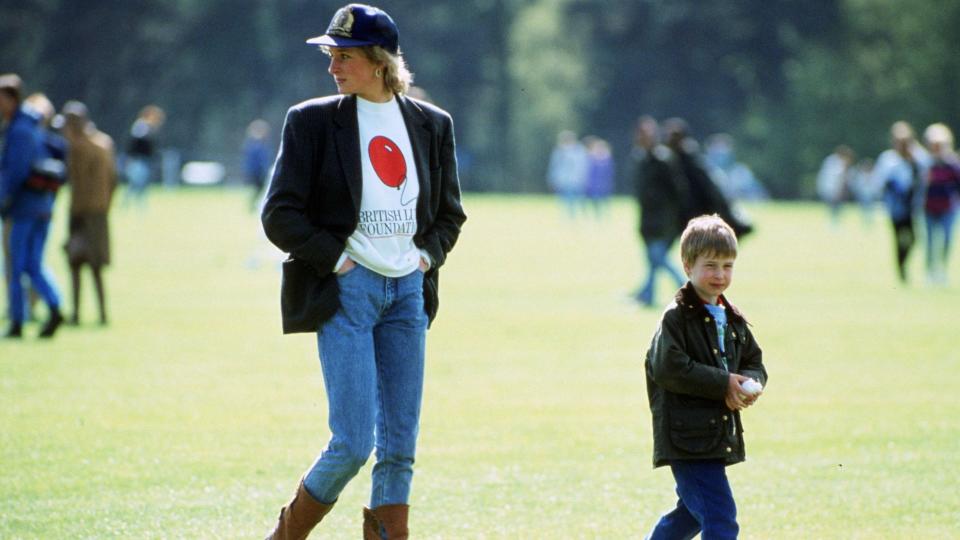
[(92, 174), (833, 180), (27, 195), (600, 173), (942, 197), (661, 195), (862, 190), (567, 170), (899, 173), (365, 198), (140, 152), (256, 158)]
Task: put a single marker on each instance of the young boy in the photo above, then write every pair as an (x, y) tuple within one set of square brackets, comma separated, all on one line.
[(698, 367)]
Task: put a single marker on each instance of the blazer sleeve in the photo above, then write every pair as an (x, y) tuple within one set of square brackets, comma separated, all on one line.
[(440, 238), (674, 370), (285, 212)]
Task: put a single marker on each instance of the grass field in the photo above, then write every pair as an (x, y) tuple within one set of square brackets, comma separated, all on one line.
[(190, 416)]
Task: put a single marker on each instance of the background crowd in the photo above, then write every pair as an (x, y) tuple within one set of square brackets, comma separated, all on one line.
[(916, 182), (41, 150), (673, 179)]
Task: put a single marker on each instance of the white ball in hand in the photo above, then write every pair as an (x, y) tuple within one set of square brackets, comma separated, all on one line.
[(751, 387)]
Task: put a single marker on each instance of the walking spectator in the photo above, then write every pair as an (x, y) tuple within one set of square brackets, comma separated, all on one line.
[(27, 192), (940, 202), (600, 173), (833, 180), (862, 189), (256, 158), (140, 152), (899, 173), (92, 173), (705, 197), (567, 170), (661, 195), (51, 172)]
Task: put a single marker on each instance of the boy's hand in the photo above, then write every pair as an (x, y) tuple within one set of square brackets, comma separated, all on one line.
[(736, 398), (753, 390)]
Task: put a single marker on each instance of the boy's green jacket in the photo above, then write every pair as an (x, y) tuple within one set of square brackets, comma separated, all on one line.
[(687, 383)]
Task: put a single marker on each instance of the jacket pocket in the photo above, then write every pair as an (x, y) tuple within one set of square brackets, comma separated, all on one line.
[(696, 431), (306, 299)]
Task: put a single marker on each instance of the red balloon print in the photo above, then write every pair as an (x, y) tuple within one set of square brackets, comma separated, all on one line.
[(388, 161)]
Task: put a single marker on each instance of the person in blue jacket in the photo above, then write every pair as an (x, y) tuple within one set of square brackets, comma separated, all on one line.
[(256, 158), (28, 186)]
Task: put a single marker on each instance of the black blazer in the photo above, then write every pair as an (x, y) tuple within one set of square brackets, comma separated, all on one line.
[(313, 203)]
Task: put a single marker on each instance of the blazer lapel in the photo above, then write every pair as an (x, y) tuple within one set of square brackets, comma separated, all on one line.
[(418, 129), (348, 147)]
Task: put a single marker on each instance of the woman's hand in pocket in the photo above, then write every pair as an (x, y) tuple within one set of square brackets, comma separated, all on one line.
[(347, 266)]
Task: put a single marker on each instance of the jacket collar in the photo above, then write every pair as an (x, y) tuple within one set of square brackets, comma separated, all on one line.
[(418, 129), (690, 303), (348, 146)]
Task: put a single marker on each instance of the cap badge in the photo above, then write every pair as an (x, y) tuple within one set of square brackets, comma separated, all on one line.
[(342, 24)]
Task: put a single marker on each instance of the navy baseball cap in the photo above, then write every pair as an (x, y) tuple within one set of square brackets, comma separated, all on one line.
[(359, 25)]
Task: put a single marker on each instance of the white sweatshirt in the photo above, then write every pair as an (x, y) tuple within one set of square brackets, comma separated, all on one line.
[(383, 240)]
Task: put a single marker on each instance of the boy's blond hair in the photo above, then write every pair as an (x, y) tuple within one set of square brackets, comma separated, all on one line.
[(707, 235)]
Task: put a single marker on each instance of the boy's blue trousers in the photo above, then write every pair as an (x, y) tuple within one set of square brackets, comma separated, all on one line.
[(705, 503)]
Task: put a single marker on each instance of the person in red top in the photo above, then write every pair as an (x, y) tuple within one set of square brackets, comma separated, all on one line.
[(942, 197)]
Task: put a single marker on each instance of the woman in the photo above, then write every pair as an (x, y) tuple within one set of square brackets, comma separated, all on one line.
[(92, 174), (365, 199), (898, 174), (940, 202)]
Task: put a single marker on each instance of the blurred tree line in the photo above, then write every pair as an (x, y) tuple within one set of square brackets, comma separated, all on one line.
[(789, 80)]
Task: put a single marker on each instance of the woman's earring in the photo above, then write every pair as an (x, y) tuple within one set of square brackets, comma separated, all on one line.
[(378, 73)]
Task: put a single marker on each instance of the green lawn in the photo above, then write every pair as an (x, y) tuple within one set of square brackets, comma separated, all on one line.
[(191, 416)]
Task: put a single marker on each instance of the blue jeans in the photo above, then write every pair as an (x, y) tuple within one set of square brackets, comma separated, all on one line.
[(28, 236), (939, 238), (138, 179), (657, 251), (705, 503), (372, 354)]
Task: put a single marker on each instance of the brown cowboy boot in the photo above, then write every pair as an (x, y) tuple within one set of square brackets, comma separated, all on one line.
[(390, 519), (299, 516)]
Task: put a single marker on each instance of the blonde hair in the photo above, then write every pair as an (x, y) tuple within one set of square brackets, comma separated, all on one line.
[(901, 131), (939, 133), (396, 77), (40, 104), (707, 235)]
